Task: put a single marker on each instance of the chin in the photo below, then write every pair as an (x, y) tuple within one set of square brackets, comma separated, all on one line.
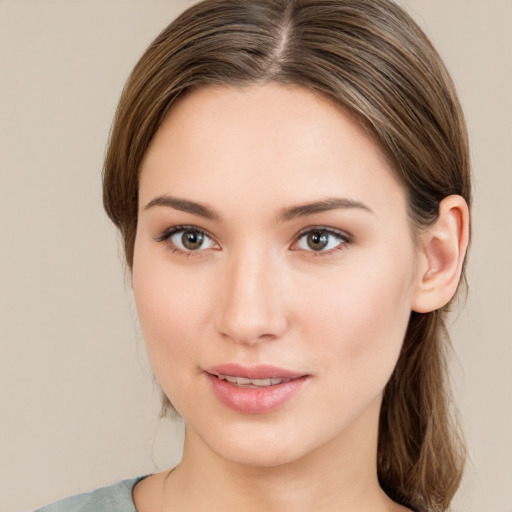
[(259, 456), (264, 443)]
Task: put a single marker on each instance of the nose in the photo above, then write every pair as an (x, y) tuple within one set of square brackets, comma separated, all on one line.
[(251, 308)]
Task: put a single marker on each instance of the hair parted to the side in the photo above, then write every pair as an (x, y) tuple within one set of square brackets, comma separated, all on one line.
[(372, 58)]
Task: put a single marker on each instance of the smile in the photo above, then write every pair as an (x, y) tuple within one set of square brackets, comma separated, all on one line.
[(258, 389)]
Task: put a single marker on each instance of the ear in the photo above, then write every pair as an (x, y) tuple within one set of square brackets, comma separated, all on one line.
[(442, 250)]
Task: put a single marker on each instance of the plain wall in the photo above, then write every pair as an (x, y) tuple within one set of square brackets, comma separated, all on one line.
[(78, 407)]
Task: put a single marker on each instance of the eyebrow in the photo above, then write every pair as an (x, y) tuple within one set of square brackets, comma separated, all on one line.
[(333, 203), (286, 214), (185, 205)]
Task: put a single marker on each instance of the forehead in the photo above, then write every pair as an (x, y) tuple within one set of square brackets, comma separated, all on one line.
[(276, 142)]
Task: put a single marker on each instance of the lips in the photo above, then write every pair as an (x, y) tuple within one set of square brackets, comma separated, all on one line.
[(254, 390)]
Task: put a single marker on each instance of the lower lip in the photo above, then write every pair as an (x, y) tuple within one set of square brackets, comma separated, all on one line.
[(255, 400)]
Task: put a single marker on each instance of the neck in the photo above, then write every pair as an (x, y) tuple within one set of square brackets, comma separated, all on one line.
[(318, 481)]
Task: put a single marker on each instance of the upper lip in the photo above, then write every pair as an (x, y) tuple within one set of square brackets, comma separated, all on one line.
[(261, 371)]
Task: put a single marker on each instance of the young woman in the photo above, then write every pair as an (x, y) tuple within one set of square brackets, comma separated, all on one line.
[(291, 181)]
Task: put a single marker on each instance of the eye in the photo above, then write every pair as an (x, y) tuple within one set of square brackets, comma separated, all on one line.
[(321, 240), (187, 239)]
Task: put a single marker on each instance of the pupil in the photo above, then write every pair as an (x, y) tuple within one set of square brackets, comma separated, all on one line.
[(317, 240), (192, 240)]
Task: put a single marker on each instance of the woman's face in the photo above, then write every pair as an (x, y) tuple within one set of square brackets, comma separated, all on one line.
[(274, 271)]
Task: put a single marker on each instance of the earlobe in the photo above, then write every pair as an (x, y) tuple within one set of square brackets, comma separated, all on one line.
[(443, 247)]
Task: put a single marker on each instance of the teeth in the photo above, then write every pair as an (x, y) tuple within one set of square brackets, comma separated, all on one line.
[(243, 381), (261, 382)]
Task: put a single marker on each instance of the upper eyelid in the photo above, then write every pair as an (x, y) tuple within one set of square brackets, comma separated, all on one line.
[(338, 232)]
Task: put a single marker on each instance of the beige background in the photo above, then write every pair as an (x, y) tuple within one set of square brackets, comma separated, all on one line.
[(77, 406)]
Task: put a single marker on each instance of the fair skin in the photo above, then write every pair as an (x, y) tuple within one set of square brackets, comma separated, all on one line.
[(231, 268)]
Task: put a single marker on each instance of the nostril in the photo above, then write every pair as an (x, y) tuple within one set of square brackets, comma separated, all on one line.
[(250, 332)]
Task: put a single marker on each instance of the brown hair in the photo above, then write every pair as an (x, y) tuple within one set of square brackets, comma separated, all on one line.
[(372, 58)]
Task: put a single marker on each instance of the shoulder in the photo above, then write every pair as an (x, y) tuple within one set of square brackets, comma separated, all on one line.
[(117, 497)]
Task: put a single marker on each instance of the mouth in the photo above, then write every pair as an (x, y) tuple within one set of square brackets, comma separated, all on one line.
[(254, 390)]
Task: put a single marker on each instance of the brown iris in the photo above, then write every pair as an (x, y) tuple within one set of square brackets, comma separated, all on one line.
[(192, 240), (317, 240)]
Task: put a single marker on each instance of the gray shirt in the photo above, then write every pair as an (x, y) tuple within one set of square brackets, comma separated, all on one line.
[(114, 498)]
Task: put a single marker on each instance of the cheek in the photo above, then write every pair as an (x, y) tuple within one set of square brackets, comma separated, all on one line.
[(172, 310), (359, 319)]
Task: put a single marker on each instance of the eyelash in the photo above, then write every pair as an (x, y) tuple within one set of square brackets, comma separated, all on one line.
[(344, 239), (167, 234)]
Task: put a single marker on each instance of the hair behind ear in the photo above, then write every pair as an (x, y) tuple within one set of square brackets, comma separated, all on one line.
[(417, 421)]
